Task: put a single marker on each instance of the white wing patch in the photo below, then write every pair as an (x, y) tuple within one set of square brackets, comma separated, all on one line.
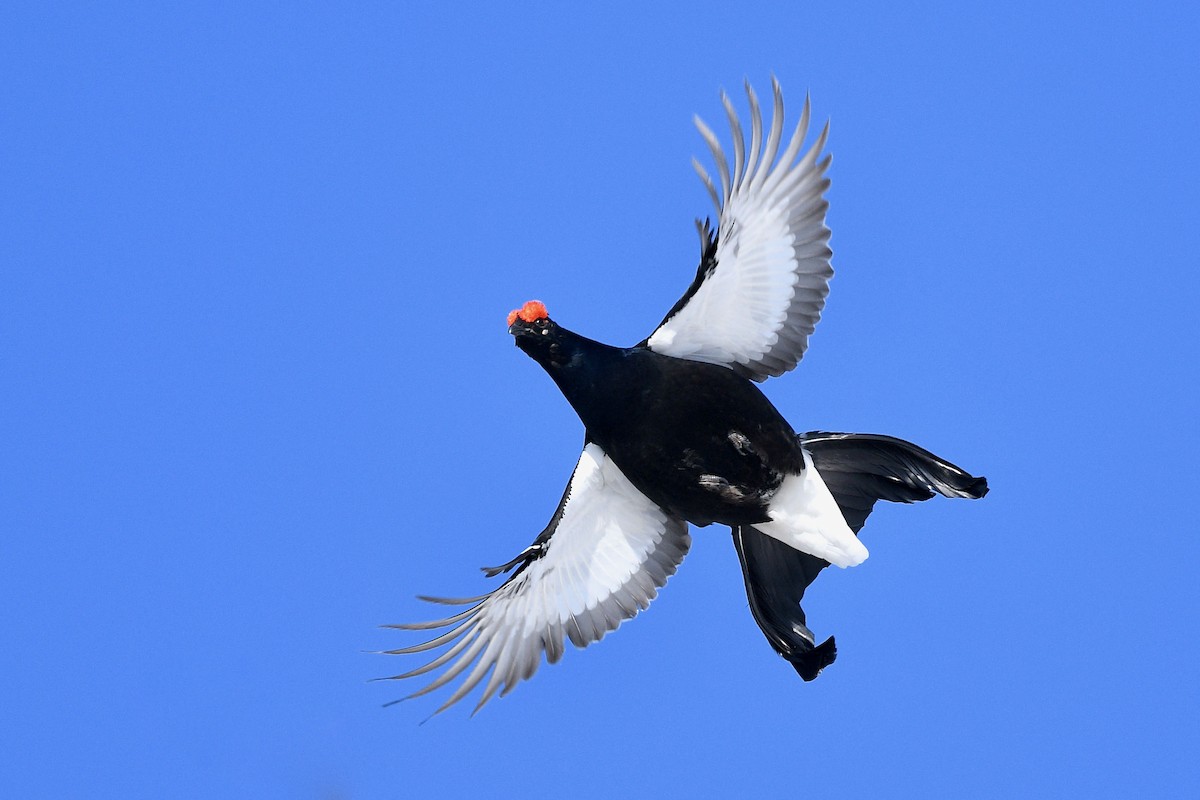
[(759, 302), (805, 516), (610, 552)]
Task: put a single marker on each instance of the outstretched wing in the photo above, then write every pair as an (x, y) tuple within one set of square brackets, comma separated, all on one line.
[(764, 275), (602, 558)]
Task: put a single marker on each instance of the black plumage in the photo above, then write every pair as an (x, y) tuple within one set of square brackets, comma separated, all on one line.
[(676, 432), (858, 468), (668, 423)]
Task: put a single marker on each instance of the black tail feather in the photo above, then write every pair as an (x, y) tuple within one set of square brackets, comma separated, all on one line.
[(858, 469), (776, 576), (810, 664)]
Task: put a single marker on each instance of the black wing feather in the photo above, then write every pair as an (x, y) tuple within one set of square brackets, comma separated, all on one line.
[(708, 262)]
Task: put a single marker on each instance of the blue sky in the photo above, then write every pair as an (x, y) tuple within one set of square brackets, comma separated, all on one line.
[(255, 261)]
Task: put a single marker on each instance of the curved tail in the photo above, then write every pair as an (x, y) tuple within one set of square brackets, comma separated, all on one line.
[(858, 469)]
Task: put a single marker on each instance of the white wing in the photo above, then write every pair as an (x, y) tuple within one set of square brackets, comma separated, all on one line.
[(762, 283), (601, 559)]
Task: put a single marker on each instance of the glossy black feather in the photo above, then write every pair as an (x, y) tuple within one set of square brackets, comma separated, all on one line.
[(702, 442), (776, 577), (858, 469), (676, 433)]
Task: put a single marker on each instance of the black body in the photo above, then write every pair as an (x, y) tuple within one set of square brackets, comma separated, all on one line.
[(677, 432), (707, 446), (699, 440)]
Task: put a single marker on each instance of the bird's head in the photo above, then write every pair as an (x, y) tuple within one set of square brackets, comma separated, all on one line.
[(538, 335), (532, 312)]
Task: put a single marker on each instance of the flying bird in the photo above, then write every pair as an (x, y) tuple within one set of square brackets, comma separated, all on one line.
[(677, 433)]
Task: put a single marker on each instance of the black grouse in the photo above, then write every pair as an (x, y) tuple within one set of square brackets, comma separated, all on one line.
[(676, 432)]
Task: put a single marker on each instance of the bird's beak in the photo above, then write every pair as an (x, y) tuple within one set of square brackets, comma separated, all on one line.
[(523, 334), (520, 327)]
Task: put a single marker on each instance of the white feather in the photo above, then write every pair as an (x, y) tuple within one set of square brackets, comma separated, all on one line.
[(805, 516), (610, 552), (756, 308)]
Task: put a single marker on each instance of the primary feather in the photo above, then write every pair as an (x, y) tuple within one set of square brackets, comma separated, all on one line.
[(677, 434), (604, 557), (764, 275)]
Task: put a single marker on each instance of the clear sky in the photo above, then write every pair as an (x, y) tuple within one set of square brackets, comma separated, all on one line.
[(257, 393)]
